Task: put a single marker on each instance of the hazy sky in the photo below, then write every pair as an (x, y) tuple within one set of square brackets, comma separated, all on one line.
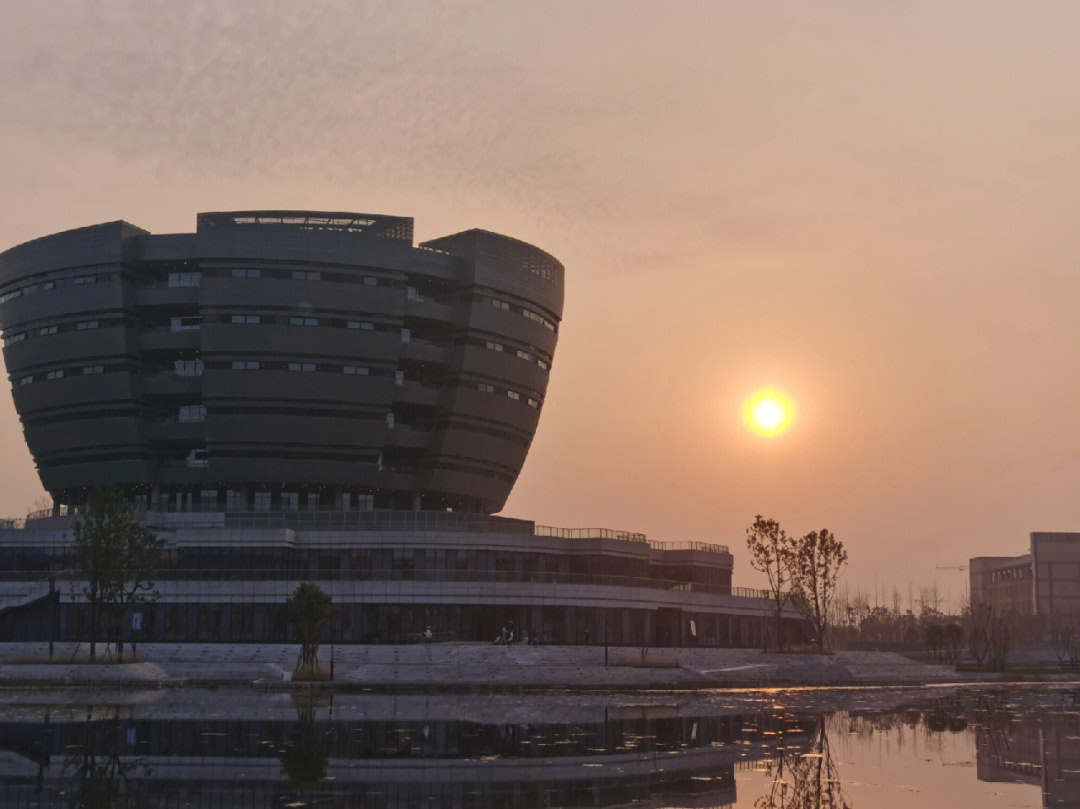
[(873, 206)]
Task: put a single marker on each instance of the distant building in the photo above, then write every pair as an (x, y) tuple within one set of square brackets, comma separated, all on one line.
[(1043, 583)]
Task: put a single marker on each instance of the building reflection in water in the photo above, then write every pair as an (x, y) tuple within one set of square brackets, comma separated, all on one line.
[(384, 751), (1016, 744), (252, 750)]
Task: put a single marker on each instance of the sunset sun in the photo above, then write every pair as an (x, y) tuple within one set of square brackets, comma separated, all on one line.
[(768, 412)]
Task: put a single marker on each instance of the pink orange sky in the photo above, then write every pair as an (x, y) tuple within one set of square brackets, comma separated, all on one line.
[(873, 207)]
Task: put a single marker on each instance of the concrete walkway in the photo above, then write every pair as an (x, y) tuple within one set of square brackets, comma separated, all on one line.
[(465, 665)]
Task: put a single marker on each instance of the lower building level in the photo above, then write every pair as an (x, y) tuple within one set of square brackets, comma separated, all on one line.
[(392, 576)]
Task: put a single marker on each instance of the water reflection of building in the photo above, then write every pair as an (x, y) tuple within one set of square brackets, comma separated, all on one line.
[(382, 751), (1042, 750)]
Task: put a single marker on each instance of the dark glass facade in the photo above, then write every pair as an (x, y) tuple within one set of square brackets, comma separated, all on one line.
[(280, 360)]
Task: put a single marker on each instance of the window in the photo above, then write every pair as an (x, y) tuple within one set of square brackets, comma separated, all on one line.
[(192, 413), (14, 338), (290, 501), (196, 458), (301, 366), (188, 367), (513, 394), (245, 365), (542, 364), (262, 501), (405, 335), (355, 369), (412, 294), (26, 380), (185, 279), (371, 281), (49, 285), (83, 325), (234, 500), (361, 324), (303, 321), (54, 375), (486, 388), (47, 330), (390, 421), (539, 319), (524, 355), (246, 273), (494, 346), (306, 275), (533, 403), (500, 304), (85, 279), (313, 502), (190, 323), (29, 289), (246, 319), (93, 369)]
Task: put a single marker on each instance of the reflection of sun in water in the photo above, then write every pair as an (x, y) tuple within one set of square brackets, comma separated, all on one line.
[(768, 412)]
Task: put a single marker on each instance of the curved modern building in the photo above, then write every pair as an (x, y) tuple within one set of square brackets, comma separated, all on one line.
[(280, 361), (294, 397)]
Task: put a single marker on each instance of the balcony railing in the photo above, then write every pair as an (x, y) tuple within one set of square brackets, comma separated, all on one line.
[(588, 533)]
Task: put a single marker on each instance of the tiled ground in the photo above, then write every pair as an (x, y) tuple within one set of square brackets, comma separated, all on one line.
[(473, 665)]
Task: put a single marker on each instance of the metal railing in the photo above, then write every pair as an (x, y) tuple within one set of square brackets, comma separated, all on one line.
[(587, 533), (690, 545)]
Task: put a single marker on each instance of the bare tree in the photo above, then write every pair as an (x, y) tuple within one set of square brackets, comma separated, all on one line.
[(117, 557), (990, 636), (817, 561), (1066, 642), (772, 553)]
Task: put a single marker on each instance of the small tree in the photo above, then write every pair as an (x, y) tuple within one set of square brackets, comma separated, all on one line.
[(771, 553), (816, 563), (934, 638), (117, 557), (309, 610), (953, 636)]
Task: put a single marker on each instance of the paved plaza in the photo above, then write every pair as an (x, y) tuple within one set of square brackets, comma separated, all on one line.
[(463, 665)]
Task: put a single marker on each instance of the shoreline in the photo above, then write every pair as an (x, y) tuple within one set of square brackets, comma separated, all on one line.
[(450, 667)]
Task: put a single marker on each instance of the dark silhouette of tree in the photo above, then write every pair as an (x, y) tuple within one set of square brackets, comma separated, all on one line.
[(817, 559), (772, 553), (309, 610), (305, 758), (117, 557), (953, 638), (990, 636), (100, 774)]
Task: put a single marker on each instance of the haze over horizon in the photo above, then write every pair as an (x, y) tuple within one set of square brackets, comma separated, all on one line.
[(870, 207)]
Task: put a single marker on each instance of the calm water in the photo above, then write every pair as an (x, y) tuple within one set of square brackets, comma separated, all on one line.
[(924, 748)]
